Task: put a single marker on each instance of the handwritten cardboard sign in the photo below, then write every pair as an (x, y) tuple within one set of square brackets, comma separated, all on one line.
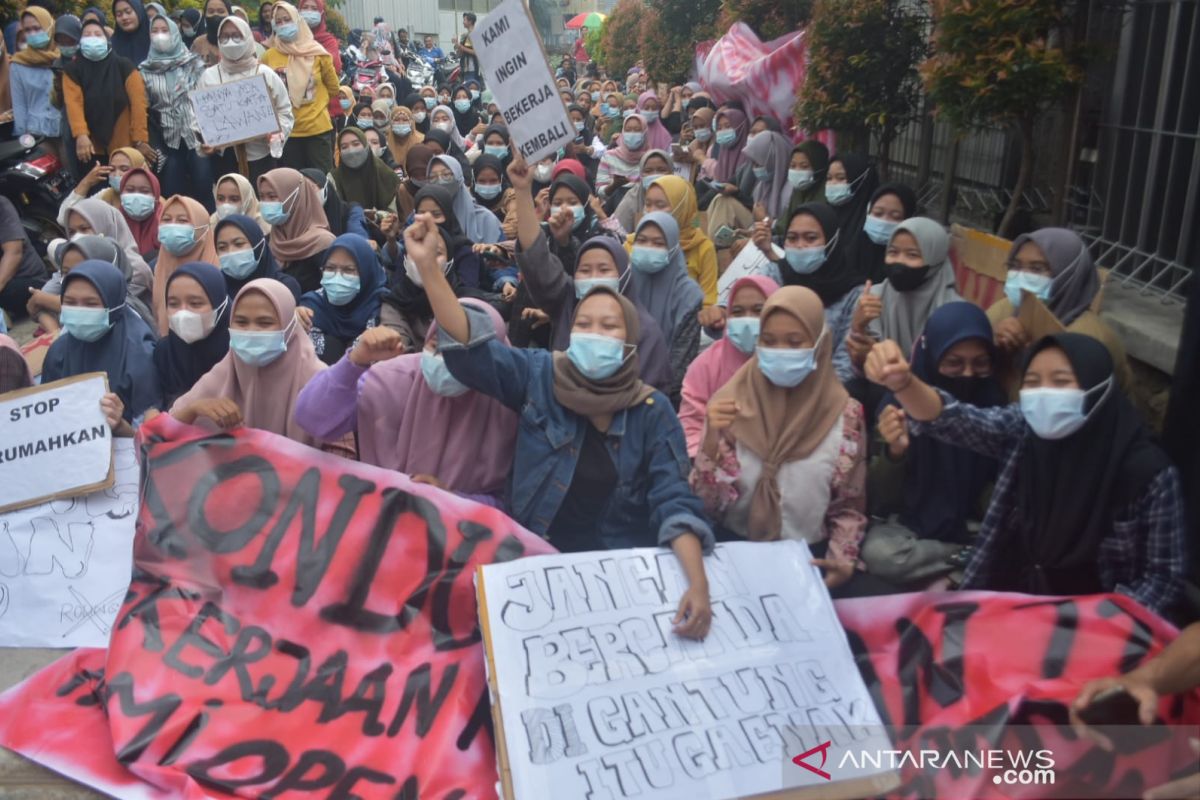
[(235, 112), (64, 565), (515, 69), (597, 697), (54, 441), (297, 626)]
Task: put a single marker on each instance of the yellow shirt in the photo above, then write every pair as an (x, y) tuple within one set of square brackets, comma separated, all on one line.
[(312, 118)]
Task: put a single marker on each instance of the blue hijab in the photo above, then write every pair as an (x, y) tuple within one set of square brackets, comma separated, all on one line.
[(349, 321), (125, 352), (180, 364), (133, 46), (943, 482), (267, 268)]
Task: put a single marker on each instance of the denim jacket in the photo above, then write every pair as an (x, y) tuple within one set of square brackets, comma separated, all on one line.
[(651, 503)]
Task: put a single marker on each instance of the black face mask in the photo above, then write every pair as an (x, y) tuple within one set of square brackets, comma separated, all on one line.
[(905, 279), (968, 389), (212, 27)]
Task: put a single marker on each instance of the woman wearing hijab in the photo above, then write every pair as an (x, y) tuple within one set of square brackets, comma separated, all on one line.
[(346, 103), (890, 204), (403, 135), (770, 156), (650, 109), (697, 140), (313, 12), (634, 494), (341, 216), (713, 368), (269, 361), (729, 199), (141, 206), (478, 224), (420, 111), (243, 255), (849, 185), (198, 309), (466, 114), (1085, 502), (121, 161), (234, 195), (300, 232), (98, 218), (191, 25), (206, 46), (311, 81), (621, 164), (105, 99), (103, 334), (361, 177), (654, 164), (186, 235), (31, 77), (416, 175), (1053, 265), (352, 289), (169, 73), (491, 190), (675, 196), (927, 491), (806, 175), (93, 247), (239, 62), (131, 38), (783, 452)]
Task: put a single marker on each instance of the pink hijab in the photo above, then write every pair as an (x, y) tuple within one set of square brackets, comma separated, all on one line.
[(266, 395), (657, 135), (712, 369), (466, 442), (622, 151), (732, 157)]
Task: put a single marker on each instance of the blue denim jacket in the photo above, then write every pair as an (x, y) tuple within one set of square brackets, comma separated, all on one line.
[(652, 502)]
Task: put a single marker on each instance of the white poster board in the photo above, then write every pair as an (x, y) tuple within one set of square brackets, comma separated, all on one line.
[(749, 262), (596, 697), (54, 441), (64, 565), (515, 70), (235, 112)]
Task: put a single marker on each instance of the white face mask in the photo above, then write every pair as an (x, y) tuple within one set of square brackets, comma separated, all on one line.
[(414, 274), (192, 327)]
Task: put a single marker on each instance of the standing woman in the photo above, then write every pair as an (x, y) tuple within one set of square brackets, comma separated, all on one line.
[(105, 99), (206, 46), (347, 304), (313, 12), (299, 230), (263, 32), (361, 177), (312, 81), (186, 235), (170, 72), (31, 77), (198, 304), (131, 39)]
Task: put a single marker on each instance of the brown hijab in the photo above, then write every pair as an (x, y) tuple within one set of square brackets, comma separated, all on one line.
[(204, 250), (623, 389), (306, 231), (783, 425)]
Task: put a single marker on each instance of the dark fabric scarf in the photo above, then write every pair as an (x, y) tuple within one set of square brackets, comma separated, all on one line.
[(863, 179), (181, 364), (834, 278), (104, 98), (864, 256)]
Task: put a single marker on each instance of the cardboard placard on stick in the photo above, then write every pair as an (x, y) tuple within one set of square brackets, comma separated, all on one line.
[(235, 112), (54, 441), (1036, 318), (514, 67)]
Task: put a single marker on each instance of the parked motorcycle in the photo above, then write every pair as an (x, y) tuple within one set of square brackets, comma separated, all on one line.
[(35, 182), (447, 71), (368, 76)]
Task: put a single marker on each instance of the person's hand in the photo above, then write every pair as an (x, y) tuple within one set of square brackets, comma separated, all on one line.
[(1137, 688), (721, 414), (837, 571), (759, 211), (562, 223), (869, 308), (206, 150), (493, 250), (618, 181), (224, 413), (761, 236), (519, 173), (147, 152), (390, 226), (737, 247), (304, 315), (421, 241), (541, 203), (589, 150), (712, 317), (84, 150), (887, 366), (536, 317), (597, 208), (894, 430), (694, 616), (1011, 336), (478, 129), (729, 189), (375, 345), (429, 480), (508, 291), (39, 300), (98, 173), (114, 410), (859, 345)]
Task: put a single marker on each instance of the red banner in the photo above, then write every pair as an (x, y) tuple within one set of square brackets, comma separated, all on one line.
[(297, 626)]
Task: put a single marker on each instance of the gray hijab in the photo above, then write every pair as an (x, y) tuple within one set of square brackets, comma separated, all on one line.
[(100, 248), (669, 294), (1075, 280), (634, 201), (905, 313), (774, 152)]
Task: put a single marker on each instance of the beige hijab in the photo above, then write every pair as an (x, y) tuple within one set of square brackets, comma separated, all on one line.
[(398, 146), (302, 56), (306, 231), (266, 395), (204, 250), (782, 425), (249, 206)]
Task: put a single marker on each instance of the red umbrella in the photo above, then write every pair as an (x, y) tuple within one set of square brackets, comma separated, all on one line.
[(588, 19)]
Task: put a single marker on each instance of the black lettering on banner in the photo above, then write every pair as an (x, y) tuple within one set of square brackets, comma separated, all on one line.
[(368, 698), (252, 644), (416, 692), (480, 719), (233, 540), (304, 663), (343, 789), (188, 735), (191, 636), (494, 30), (165, 534), (272, 755), (159, 710), (145, 609), (1137, 644), (297, 779), (408, 790), (473, 534)]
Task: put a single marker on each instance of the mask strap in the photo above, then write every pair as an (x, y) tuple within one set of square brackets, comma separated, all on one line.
[(832, 243), (1106, 385), (219, 310), (288, 199)]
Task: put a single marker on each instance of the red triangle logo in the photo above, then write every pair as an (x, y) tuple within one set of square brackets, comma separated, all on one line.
[(823, 749)]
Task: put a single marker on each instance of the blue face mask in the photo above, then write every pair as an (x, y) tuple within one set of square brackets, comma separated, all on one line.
[(785, 367), (879, 230), (287, 32), (488, 191), (761, 173), (805, 260), (177, 238), (402, 130), (1057, 413), (648, 259), (605, 110), (585, 285), (94, 48), (726, 137), (598, 357), (703, 134), (577, 212), (38, 40), (273, 211), (240, 263), (649, 179), (800, 178), (345, 104), (743, 333), (651, 117), (474, 94), (114, 182), (837, 193), (366, 123), (634, 139), (462, 106), (86, 324), (258, 348), (138, 206), (500, 151), (340, 289), (68, 50), (1037, 285), (313, 18), (438, 377)]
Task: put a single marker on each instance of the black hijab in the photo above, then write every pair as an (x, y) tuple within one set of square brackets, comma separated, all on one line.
[(267, 268), (335, 207), (103, 85), (180, 364), (409, 102), (863, 255), (1069, 489), (863, 180), (210, 31), (193, 17), (135, 46), (449, 148), (833, 279), (465, 121), (502, 132), (486, 161)]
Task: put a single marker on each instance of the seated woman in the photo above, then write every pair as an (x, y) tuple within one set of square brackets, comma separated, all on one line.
[(728, 198), (479, 224), (571, 218), (654, 164), (269, 361), (627, 466), (103, 334), (416, 175), (866, 250), (243, 255), (95, 217), (411, 415), (198, 306), (299, 229), (402, 135), (361, 176), (495, 142), (121, 161), (186, 235), (770, 158), (675, 196), (141, 206), (45, 304), (1054, 265), (932, 494), (784, 450), (621, 163), (490, 190), (342, 217), (806, 175), (1085, 501), (713, 368), (849, 185), (235, 195), (352, 288)]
